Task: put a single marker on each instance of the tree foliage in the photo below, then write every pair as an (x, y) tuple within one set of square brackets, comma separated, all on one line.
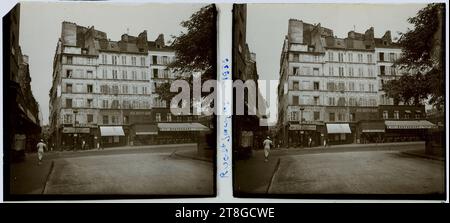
[(422, 53), (195, 49)]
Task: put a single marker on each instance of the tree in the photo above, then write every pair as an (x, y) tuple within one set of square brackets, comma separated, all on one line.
[(195, 49), (422, 53), (408, 89)]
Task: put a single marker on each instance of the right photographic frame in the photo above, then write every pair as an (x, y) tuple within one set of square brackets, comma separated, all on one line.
[(339, 101)]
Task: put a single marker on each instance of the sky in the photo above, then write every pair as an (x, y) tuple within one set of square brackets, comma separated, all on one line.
[(267, 25), (40, 28)]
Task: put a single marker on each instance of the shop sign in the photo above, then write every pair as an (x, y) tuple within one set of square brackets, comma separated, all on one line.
[(303, 127), (75, 130)]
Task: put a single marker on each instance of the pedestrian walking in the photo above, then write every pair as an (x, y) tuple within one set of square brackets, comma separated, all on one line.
[(83, 145), (267, 143), (40, 147), (309, 142), (324, 143)]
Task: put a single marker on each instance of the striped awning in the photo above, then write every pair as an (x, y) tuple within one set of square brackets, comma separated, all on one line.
[(338, 128), (111, 131), (410, 124), (169, 127)]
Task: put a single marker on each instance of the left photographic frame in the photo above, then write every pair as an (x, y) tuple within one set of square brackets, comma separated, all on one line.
[(88, 109)]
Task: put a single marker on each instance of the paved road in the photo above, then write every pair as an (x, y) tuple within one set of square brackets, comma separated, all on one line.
[(367, 172), (254, 175), (29, 178), (151, 173)]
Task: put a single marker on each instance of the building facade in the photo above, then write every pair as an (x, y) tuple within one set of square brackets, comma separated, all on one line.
[(327, 84), (103, 91), (22, 130), (248, 134)]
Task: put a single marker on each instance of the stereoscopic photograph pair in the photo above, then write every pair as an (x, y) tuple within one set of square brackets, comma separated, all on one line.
[(108, 100)]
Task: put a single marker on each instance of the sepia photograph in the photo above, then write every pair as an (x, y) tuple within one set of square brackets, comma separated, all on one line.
[(88, 100), (341, 101)]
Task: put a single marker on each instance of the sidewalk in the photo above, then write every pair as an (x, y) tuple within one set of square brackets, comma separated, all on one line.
[(358, 145), (28, 177), (127, 148)]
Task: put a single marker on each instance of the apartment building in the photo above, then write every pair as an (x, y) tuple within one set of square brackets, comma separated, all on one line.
[(327, 84), (104, 91), (98, 86)]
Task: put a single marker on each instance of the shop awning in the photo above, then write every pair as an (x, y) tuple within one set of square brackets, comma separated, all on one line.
[(111, 131), (373, 127), (338, 128), (410, 124), (146, 129), (173, 127)]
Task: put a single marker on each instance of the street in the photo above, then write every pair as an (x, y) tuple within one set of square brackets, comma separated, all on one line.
[(345, 169), (150, 170)]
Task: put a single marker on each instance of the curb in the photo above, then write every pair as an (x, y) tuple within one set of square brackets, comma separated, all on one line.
[(192, 157), (44, 190), (423, 156), (273, 175)]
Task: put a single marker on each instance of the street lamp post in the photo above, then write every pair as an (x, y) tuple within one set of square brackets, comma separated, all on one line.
[(74, 126), (301, 126)]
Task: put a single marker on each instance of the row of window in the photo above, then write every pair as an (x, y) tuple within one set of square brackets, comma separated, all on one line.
[(118, 60), (120, 74), (331, 86), (341, 101), (407, 115), (345, 57), (297, 115), (114, 119), (79, 60), (114, 74), (106, 89), (105, 103), (124, 60), (335, 71), (349, 57)]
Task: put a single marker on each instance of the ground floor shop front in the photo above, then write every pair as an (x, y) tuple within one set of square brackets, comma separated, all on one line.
[(82, 138)]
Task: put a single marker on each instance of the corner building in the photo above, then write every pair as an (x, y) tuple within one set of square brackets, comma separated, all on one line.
[(327, 84)]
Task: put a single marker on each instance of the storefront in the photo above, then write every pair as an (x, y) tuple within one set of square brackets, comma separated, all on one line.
[(371, 132), (407, 130), (299, 135), (112, 136), (144, 134), (174, 133), (339, 133)]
